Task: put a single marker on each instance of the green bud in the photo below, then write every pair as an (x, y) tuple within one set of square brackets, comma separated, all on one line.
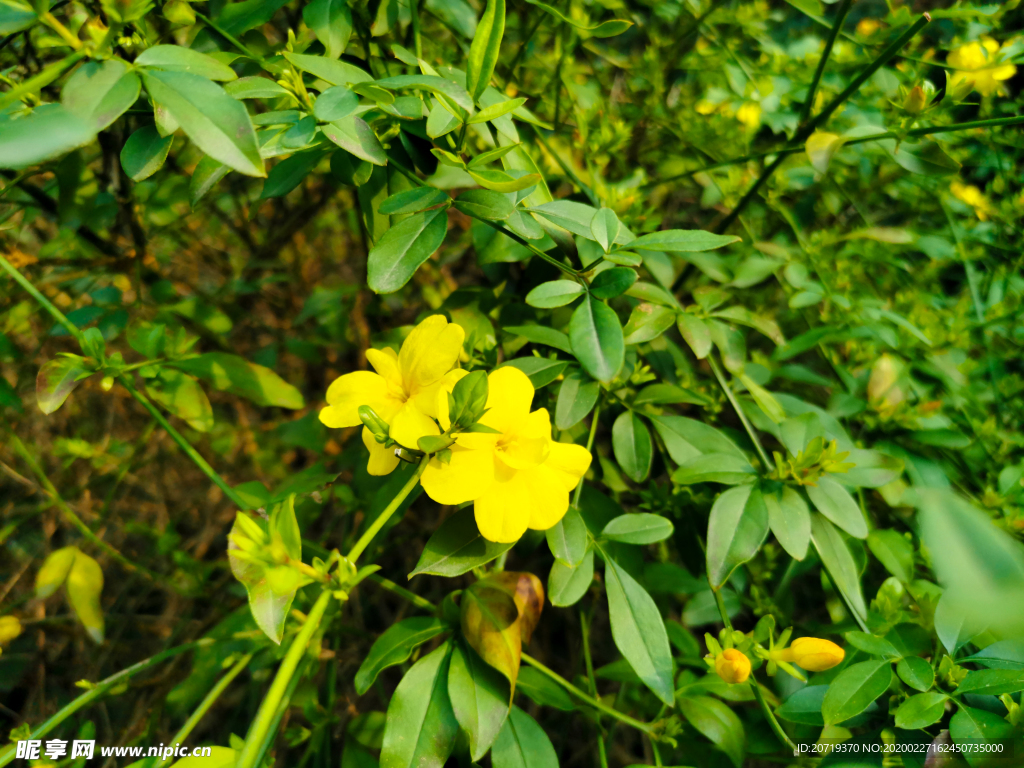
[(374, 423)]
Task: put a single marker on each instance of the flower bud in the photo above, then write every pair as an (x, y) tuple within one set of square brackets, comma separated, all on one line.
[(812, 653), (916, 100), (374, 423), (732, 666), (10, 628)]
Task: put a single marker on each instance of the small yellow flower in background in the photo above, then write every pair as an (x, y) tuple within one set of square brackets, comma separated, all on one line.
[(732, 666), (812, 653), (978, 62), (10, 628), (749, 114), (972, 196), (868, 27), (518, 478), (705, 107), (403, 391)]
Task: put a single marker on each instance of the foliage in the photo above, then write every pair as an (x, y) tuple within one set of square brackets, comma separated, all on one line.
[(698, 321)]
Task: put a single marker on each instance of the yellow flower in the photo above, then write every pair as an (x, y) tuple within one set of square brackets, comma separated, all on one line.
[(812, 653), (10, 628), (403, 391), (749, 114), (518, 478), (977, 63), (868, 27), (732, 666), (970, 194)]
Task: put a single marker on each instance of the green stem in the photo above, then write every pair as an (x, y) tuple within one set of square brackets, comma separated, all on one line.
[(412, 597), (384, 516), (825, 114), (927, 130), (590, 445), (769, 715), (768, 464), (844, 9), (34, 292), (589, 700), (7, 755), (588, 662), (184, 444), (416, 41), (41, 80), (259, 732), (75, 520), (208, 701)]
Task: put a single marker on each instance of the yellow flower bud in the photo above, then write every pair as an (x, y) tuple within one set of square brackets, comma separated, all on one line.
[(916, 100), (812, 653), (732, 666), (10, 628)]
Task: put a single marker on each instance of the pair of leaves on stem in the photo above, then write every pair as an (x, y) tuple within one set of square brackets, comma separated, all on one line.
[(82, 576)]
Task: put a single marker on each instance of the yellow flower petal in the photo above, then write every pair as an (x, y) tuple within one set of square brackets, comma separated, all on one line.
[(509, 395), (1004, 72), (467, 476), (382, 460), (352, 390), (429, 352), (570, 462), (503, 511), (385, 362), (549, 498), (410, 424)]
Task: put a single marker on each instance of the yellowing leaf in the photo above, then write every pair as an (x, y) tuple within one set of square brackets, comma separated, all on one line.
[(54, 571), (820, 147), (85, 583), (490, 624)]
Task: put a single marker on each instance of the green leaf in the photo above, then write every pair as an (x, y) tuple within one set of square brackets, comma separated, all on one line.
[(638, 630), (289, 173), (542, 691), (737, 527), (609, 28), (576, 398), (854, 690), (541, 334), (485, 204), (145, 153), (873, 469), (480, 699), (836, 503), (256, 87), (48, 132), (336, 103), (596, 337), (894, 552), (331, 22), (239, 17), (395, 646), (647, 322), (483, 53), (695, 333), (495, 111), (716, 721), (16, 16), (631, 441), (567, 584), (490, 624), (100, 92), (403, 248), (457, 547), (873, 645), (1005, 654), (84, 586), (413, 200), (804, 706), (638, 528), (231, 373), (925, 159), (992, 682), (686, 438), (681, 241), (743, 316), (604, 228), (175, 58), (921, 710), (972, 727), (575, 217), (499, 181), (839, 562), (667, 394), (334, 72), (916, 672), (541, 370), (612, 282), (57, 379), (218, 124), (421, 726), (269, 608), (182, 396), (555, 293), (567, 539), (438, 85), (522, 744), (714, 468), (356, 137), (206, 174)]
